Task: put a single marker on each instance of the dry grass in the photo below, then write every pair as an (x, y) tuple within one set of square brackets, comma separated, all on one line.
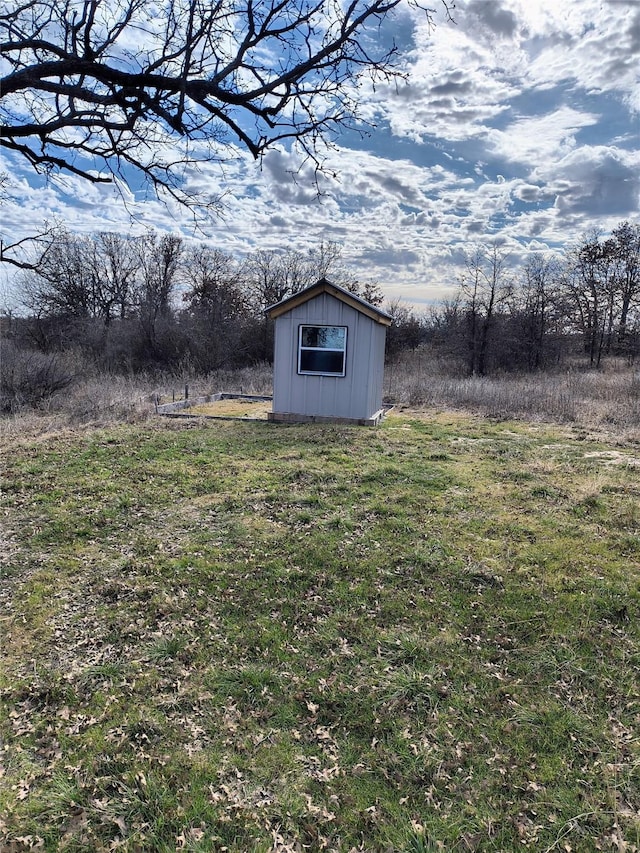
[(104, 400), (234, 408), (607, 400)]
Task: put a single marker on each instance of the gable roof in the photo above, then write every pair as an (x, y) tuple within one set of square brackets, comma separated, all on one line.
[(324, 286)]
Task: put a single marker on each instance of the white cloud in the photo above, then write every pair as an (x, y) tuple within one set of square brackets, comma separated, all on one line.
[(600, 182), (535, 139), (516, 123), (593, 44)]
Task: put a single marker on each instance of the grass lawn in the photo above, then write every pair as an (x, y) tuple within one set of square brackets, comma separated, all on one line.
[(258, 637)]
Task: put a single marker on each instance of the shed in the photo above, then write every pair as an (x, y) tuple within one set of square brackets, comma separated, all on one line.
[(328, 356)]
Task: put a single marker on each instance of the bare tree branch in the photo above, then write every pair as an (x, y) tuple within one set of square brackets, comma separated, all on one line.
[(30, 252), (91, 87)]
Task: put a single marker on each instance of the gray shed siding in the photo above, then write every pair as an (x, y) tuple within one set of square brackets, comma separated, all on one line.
[(358, 394)]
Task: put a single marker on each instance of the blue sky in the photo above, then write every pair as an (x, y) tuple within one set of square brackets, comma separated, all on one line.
[(520, 123)]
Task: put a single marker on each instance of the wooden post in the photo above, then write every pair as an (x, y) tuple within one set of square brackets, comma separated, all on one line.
[(186, 391)]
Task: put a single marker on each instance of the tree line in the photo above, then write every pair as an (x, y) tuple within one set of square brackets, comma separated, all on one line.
[(586, 300), (153, 302)]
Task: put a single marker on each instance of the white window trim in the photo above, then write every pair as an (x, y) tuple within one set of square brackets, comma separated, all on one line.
[(342, 349)]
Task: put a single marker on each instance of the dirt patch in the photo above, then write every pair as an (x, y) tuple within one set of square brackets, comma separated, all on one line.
[(613, 457)]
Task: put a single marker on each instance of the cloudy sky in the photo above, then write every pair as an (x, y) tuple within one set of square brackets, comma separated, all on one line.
[(519, 123)]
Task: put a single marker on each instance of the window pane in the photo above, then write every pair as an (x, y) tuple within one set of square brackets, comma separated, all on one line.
[(324, 337), (319, 361)]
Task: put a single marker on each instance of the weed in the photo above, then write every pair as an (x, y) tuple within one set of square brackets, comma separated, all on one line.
[(166, 648), (418, 842)]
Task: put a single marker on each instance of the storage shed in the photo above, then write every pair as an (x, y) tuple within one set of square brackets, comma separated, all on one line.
[(328, 357)]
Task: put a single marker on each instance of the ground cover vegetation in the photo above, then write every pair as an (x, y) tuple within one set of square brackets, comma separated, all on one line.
[(250, 636), (152, 305)]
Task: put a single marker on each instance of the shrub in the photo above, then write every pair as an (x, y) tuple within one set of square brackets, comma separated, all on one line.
[(29, 378)]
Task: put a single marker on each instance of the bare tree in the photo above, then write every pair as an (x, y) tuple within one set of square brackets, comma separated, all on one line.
[(589, 281), (626, 239), (114, 264), (271, 276), (326, 261), (208, 272), (159, 262), (29, 252), (60, 295), (407, 330), (534, 310), (84, 277), (92, 87), (484, 287), (217, 312), (62, 286)]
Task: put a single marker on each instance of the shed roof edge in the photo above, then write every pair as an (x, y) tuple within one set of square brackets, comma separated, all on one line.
[(325, 286)]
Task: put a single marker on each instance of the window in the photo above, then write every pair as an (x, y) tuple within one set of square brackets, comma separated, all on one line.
[(322, 350)]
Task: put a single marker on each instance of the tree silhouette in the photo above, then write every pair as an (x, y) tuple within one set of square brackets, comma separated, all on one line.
[(92, 87)]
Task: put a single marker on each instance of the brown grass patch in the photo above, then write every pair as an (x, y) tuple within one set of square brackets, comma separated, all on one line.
[(235, 408)]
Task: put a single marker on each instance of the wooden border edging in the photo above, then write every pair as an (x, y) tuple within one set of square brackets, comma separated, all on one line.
[(177, 410), (180, 405)]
